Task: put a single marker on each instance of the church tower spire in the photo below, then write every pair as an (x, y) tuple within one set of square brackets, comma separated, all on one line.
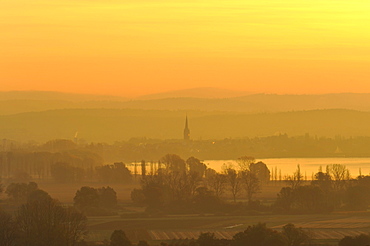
[(186, 130)]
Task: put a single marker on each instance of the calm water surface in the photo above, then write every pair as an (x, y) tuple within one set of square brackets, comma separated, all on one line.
[(307, 165)]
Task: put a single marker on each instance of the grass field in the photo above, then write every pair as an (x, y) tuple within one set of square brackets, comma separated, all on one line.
[(332, 226)]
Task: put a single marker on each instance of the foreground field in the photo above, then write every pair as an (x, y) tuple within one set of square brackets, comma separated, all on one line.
[(333, 226)]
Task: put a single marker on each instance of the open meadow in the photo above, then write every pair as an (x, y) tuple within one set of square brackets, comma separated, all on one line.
[(322, 227)]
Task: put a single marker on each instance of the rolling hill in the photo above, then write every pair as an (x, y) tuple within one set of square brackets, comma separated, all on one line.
[(109, 125), (21, 102)]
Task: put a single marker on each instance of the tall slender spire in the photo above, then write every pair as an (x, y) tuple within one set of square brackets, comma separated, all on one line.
[(186, 130)]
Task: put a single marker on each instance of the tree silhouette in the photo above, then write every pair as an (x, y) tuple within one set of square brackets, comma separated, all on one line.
[(251, 184), (20, 191), (245, 162), (295, 236), (47, 223), (207, 239), (86, 197), (118, 238), (107, 197), (195, 165), (8, 230), (261, 171), (173, 163), (235, 182), (1, 187), (259, 235), (296, 179), (38, 195), (142, 243), (360, 240)]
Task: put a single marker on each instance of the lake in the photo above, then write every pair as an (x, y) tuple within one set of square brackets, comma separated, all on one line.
[(307, 165)]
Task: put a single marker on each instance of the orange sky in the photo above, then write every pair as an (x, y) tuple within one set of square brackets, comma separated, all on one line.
[(133, 47)]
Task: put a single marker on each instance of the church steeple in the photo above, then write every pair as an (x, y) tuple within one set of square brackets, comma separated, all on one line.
[(186, 130)]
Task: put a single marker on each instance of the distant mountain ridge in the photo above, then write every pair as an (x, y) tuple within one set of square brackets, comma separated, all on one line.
[(201, 92), (55, 96), (20, 102)]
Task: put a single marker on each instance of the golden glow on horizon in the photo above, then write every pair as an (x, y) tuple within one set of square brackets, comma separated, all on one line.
[(137, 47)]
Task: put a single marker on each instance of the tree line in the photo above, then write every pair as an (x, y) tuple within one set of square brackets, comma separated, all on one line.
[(41, 220), (44, 165), (277, 146), (191, 187), (332, 189)]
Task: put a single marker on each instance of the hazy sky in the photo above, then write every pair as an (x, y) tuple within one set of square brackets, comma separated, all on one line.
[(131, 47)]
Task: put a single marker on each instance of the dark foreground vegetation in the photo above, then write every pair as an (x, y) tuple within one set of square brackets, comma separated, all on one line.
[(42, 221), (45, 222)]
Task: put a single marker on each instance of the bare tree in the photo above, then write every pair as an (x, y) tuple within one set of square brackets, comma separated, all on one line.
[(8, 232), (173, 163), (47, 223), (119, 238), (295, 235), (296, 179), (251, 184), (235, 182), (194, 180), (74, 226), (245, 162), (323, 180), (194, 165), (217, 183), (339, 174), (178, 185)]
